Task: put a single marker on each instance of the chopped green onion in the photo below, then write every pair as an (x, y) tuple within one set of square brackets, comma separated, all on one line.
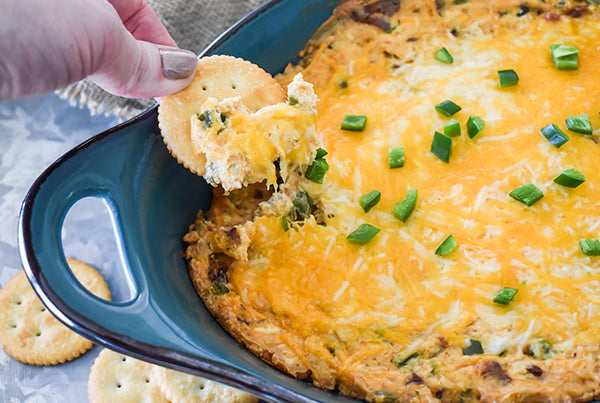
[(385, 397), (402, 210), (564, 57), (475, 124), (396, 157), (579, 124), (441, 146), (317, 170), (539, 349), (523, 9), (474, 348), (563, 50), (363, 234), (443, 56), (554, 135), (507, 78), (570, 178), (301, 207), (369, 200), (321, 152), (218, 288), (206, 119), (447, 108), (452, 128), (401, 362), (527, 194), (285, 224), (447, 246), (354, 123), (505, 295), (319, 167), (590, 247)]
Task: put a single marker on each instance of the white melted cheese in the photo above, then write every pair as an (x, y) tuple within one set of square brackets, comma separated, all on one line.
[(242, 147)]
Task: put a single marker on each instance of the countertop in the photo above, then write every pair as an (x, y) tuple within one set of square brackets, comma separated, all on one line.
[(34, 132)]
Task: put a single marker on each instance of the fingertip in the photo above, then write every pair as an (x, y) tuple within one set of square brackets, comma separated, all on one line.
[(144, 70), (177, 64)]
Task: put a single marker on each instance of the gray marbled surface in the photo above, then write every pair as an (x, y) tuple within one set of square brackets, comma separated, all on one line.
[(33, 133)]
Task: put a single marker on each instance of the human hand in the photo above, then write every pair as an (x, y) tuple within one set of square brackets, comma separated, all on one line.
[(120, 45)]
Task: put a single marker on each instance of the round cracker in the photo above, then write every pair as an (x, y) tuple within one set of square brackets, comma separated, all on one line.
[(218, 77), (29, 332), (115, 377), (185, 388)]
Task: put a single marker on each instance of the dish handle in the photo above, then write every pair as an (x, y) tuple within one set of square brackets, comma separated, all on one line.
[(96, 168)]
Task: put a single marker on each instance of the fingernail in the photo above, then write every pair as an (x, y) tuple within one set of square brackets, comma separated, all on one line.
[(177, 63)]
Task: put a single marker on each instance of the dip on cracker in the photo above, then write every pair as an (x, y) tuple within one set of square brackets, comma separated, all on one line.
[(240, 127), (241, 147)]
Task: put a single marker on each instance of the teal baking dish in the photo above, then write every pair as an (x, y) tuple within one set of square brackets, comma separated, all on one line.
[(152, 199)]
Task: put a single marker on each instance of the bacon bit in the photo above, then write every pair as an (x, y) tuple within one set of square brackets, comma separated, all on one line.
[(493, 369), (414, 378), (440, 4), (535, 370), (376, 13), (218, 269), (577, 11), (233, 236), (362, 16), (552, 16), (258, 194), (385, 7)]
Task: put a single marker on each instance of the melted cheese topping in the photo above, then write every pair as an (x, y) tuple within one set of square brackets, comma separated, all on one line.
[(395, 287), (241, 147)]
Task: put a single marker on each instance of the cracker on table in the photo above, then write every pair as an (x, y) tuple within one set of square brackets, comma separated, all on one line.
[(115, 377), (29, 332), (218, 77), (185, 388)]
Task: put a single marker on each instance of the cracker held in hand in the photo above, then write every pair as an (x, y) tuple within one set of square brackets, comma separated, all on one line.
[(217, 77), (116, 377), (185, 388), (29, 332)]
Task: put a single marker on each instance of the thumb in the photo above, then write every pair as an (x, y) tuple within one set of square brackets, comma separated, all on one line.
[(139, 69)]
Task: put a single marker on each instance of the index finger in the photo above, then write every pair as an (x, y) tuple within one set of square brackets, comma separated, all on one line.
[(141, 21)]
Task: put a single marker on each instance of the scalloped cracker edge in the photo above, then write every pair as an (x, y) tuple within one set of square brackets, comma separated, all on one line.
[(29, 332), (218, 77), (115, 377), (180, 387)]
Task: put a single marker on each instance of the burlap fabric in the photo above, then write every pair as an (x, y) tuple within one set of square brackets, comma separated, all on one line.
[(193, 24)]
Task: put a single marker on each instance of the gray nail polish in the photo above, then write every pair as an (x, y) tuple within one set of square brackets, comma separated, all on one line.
[(177, 63)]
